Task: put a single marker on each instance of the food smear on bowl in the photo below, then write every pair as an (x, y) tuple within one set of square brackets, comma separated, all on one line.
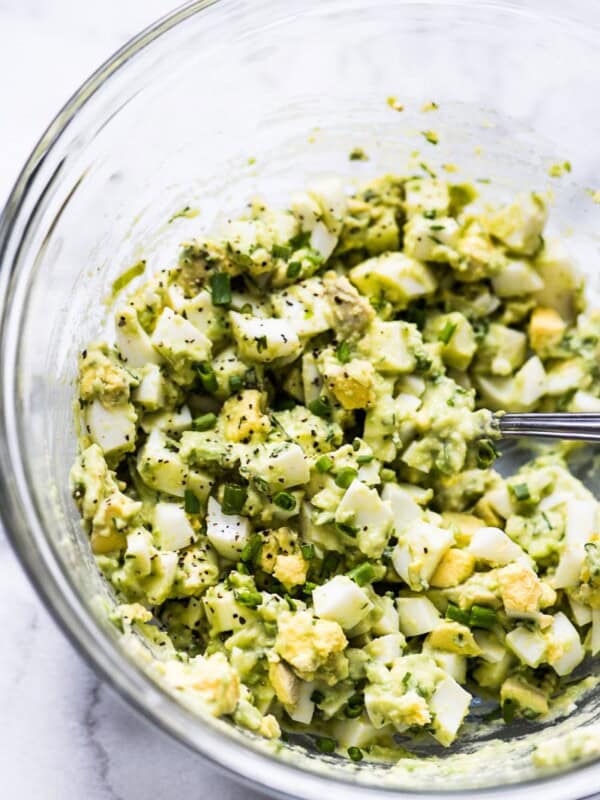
[(286, 465)]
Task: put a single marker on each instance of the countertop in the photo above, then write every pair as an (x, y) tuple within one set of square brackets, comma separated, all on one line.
[(64, 734)]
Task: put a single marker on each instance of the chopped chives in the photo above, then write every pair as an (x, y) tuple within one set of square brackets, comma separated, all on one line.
[(321, 407), (235, 383), (354, 706), (345, 477), (355, 753), (326, 745), (447, 332), (285, 500), (205, 422), (521, 491), (251, 548), (362, 574), (352, 712), (291, 602), (191, 502), (457, 614), (482, 617), (347, 530), (293, 269), (234, 497), (220, 284), (323, 464), (330, 563), (207, 376), (308, 551), (356, 700), (261, 484), (366, 459), (486, 453), (281, 251), (300, 240), (248, 598), (343, 352)]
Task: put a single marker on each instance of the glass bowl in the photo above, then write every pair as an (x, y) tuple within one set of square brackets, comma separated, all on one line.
[(213, 104)]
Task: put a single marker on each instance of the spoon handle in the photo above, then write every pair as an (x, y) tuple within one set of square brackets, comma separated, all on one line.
[(569, 426)]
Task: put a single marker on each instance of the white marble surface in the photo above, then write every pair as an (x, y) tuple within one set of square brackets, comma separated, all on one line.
[(63, 734)]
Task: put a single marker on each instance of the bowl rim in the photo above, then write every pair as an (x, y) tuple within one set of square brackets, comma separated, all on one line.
[(236, 758)]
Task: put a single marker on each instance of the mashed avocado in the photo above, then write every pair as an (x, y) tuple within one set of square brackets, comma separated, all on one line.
[(286, 465)]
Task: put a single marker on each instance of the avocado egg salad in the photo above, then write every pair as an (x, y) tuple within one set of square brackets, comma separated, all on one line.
[(286, 465)]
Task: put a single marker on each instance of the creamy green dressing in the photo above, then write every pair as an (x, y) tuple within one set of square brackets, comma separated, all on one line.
[(287, 471)]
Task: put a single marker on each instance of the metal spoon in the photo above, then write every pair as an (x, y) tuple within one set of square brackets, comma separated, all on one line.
[(569, 426)]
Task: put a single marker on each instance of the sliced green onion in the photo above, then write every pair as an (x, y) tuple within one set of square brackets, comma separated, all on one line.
[(261, 484), (486, 453), (234, 497), (355, 753), (191, 502), (207, 377), (235, 383), (482, 617), (457, 614), (447, 332), (343, 352), (348, 530), (352, 713), (300, 240), (362, 574), (285, 500), (290, 601), (521, 491), (326, 745), (293, 269), (356, 700), (308, 551), (220, 285), (321, 407), (205, 423), (354, 705), (345, 477), (251, 549), (364, 459), (248, 598), (281, 251), (330, 563), (323, 464)]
